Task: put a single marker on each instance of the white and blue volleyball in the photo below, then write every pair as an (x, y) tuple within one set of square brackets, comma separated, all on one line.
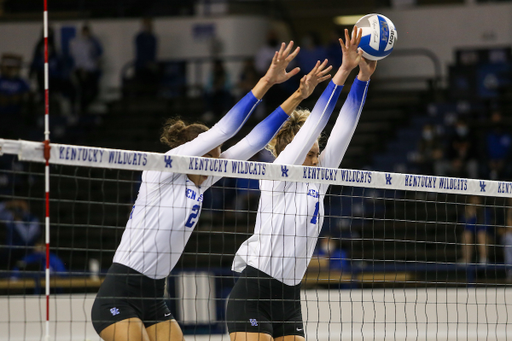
[(379, 36)]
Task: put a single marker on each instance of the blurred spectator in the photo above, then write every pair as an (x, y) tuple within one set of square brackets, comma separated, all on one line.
[(498, 144), (265, 53), (14, 97), (329, 248), (218, 95), (461, 152), (311, 51), (506, 237), (146, 67), (248, 78), (429, 156), (22, 229), (333, 49), (59, 80), (36, 261), (476, 221), (86, 51), (262, 60)]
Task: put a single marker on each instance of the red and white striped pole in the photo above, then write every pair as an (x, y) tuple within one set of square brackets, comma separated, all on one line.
[(47, 170)]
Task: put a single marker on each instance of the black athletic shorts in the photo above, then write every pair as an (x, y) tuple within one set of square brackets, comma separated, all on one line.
[(127, 293), (259, 303)]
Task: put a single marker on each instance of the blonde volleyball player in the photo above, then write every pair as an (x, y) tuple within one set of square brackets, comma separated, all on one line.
[(129, 304), (265, 301)]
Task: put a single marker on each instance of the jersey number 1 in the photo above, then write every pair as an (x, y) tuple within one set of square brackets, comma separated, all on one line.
[(192, 217), (315, 215)]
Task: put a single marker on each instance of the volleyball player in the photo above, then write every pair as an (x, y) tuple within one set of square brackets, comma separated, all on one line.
[(129, 304), (265, 301)]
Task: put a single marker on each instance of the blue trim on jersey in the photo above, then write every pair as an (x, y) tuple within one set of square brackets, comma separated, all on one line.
[(270, 126), (296, 151), (236, 116), (357, 91), (265, 131)]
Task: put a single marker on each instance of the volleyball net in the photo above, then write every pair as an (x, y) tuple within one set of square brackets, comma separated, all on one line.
[(400, 256)]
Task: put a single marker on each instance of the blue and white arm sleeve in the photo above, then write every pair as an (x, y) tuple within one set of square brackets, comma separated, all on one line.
[(345, 125), (225, 129), (258, 138), (295, 153)]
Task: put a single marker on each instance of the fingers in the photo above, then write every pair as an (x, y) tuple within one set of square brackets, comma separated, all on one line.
[(293, 72), (326, 71), (324, 78), (315, 69), (322, 68), (356, 36), (288, 48), (275, 59), (284, 51), (293, 55)]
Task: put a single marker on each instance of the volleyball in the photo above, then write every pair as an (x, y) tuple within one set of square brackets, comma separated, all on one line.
[(379, 36)]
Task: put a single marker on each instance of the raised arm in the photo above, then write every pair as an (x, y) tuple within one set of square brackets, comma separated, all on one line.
[(231, 123), (263, 133), (296, 151), (348, 117)]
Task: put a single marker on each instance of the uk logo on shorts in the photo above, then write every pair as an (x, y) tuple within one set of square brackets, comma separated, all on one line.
[(114, 311), (254, 322)]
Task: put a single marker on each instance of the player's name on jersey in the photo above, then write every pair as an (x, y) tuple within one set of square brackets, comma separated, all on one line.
[(96, 155)]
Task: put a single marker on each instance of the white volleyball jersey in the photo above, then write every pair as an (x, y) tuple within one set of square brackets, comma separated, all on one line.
[(290, 214), (168, 204)]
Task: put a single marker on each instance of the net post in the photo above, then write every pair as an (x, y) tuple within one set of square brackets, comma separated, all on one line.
[(47, 169)]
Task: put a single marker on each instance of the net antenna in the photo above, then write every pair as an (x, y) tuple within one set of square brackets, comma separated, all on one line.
[(47, 169)]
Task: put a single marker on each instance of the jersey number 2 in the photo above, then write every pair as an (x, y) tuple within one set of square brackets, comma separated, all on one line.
[(315, 215), (192, 217)]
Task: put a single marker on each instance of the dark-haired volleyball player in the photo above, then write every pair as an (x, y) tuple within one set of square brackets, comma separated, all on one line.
[(265, 301), (129, 304)]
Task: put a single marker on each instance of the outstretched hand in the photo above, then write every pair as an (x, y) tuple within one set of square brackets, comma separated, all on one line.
[(366, 69), (351, 54), (316, 76), (276, 73)]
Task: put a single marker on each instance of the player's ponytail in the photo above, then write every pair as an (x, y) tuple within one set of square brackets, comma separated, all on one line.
[(176, 132), (288, 131)]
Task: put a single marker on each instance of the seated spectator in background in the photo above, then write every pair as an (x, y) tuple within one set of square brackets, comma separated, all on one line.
[(22, 229), (329, 249), (36, 261), (429, 156), (14, 97), (146, 67), (218, 95), (476, 221), (461, 152), (506, 238), (498, 144), (86, 51)]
